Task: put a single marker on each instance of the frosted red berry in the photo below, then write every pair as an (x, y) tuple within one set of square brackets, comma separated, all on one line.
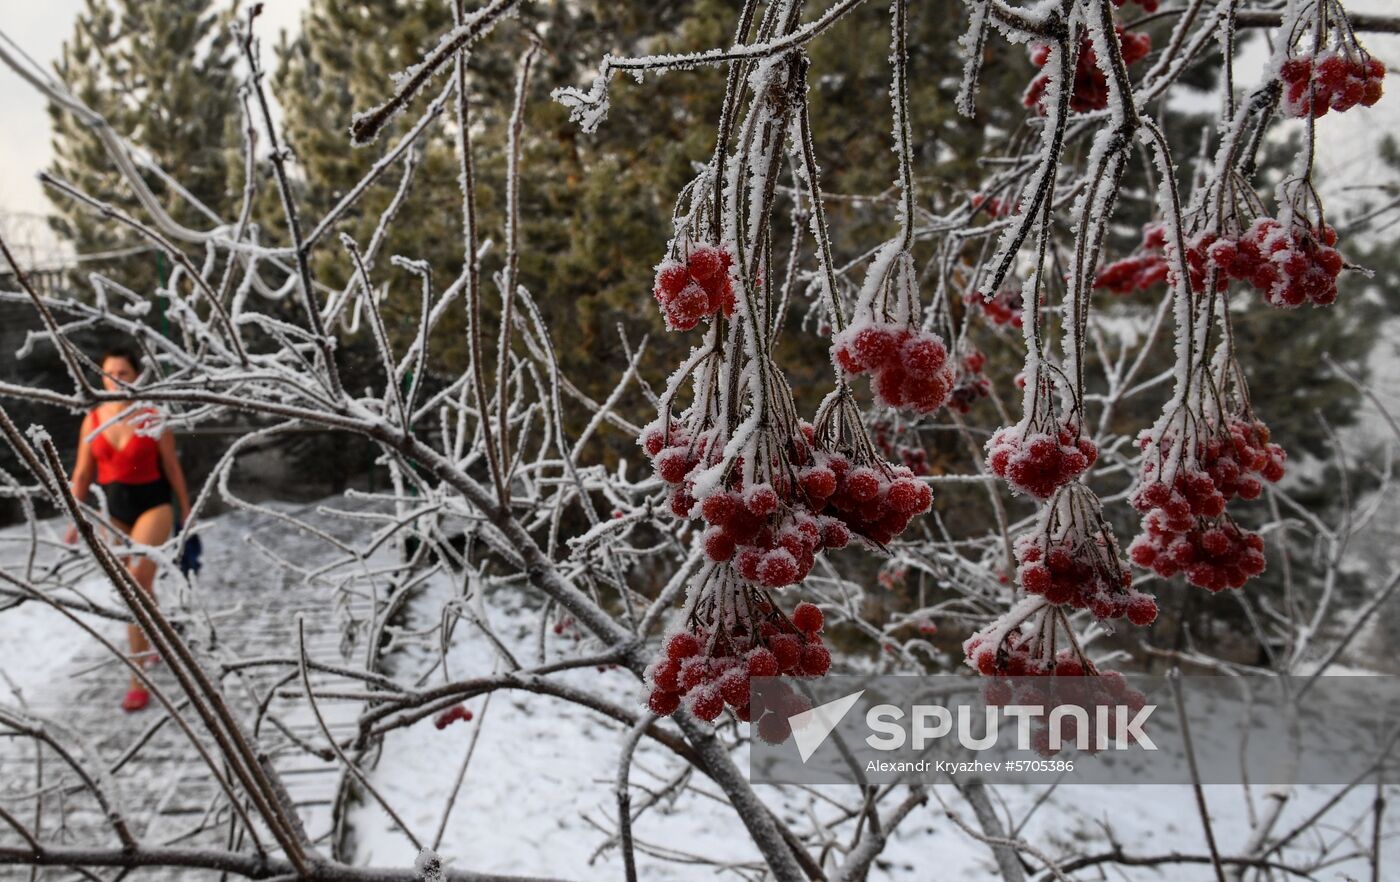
[(1185, 527), (808, 618), (762, 663), (1142, 610), (774, 728), (719, 546), (705, 704), (663, 703), (682, 645), (816, 660)]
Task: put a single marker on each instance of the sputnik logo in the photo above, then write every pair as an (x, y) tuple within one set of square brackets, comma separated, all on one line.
[(810, 729)]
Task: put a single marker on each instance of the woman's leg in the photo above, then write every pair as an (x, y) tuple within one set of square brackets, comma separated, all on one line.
[(151, 528)]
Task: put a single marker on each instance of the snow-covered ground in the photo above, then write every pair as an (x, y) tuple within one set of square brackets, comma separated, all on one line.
[(35, 642), (538, 795)]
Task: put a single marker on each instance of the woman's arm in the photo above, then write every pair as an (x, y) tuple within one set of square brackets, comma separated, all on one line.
[(83, 471), (170, 464)]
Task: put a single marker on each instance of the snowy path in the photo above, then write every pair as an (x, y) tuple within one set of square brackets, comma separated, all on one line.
[(61, 674)]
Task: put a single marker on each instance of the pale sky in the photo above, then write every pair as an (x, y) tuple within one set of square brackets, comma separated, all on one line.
[(40, 29), (1349, 140)]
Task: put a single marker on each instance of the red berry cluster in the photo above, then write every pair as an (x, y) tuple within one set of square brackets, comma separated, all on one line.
[(773, 531), (1140, 271), (1039, 463), (1153, 263), (1026, 643), (993, 206), (1329, 81), (567, 626), (1017, 654), (1213, 557), (1136, 273), (892, 575), (779, 702), (1082, 572), (910, 367), (1005, 307), (770, 547), (874, 501), (675, 455), (899, 444), (1185, 528), (1191, 494), (1090, 85), (1074, 683), (1288, 266), (697, 288), (709, 669), (971, 384), (452, 715), (999, 651), (1239, 459), (1067, 684)]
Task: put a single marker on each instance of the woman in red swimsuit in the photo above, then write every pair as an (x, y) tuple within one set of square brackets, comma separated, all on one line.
[(137, 474)]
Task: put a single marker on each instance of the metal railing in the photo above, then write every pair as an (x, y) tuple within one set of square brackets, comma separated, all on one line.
[(49, 282)]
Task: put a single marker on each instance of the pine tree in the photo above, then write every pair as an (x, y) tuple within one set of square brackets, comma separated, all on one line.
[(339, 63), (342, 62), (161, 73)]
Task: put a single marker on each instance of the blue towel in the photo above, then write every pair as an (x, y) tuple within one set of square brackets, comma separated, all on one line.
[(194, 548)]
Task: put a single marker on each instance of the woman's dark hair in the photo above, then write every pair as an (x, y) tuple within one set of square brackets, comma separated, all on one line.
[(132, 357)]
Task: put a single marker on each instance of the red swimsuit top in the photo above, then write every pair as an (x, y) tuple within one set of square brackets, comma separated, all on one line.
[(135, 462)]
